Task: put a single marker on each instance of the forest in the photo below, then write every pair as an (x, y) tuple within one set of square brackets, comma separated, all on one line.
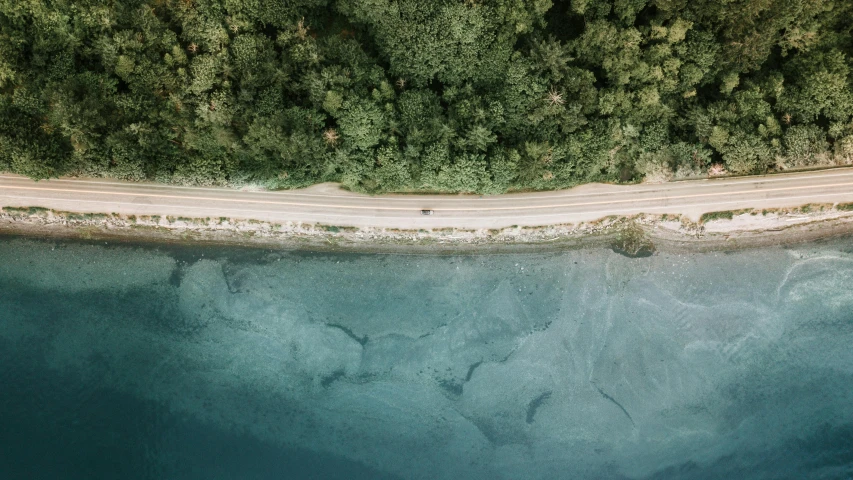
[(481, 96)]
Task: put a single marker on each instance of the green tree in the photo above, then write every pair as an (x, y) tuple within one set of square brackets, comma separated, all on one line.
[(446, 95)]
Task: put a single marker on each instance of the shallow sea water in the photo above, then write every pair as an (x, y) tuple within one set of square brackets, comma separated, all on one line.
[(136, 362)]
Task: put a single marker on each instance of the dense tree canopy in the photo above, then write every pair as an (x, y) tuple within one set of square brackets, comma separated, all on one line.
[(433, 95)]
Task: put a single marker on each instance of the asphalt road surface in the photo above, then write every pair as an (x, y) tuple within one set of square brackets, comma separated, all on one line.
[(329, 205)]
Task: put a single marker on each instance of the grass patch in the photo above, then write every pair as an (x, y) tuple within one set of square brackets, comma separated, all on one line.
[(844, 207), (25, 210), (336, 228), (83, 217), (721, 215)]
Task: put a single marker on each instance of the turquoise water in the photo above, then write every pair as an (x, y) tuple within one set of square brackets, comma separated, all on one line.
[(134, 362)]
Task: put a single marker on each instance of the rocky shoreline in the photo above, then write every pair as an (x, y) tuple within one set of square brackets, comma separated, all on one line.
[(638, 235)]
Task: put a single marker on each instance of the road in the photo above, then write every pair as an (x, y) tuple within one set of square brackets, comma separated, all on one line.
[(327, 204)]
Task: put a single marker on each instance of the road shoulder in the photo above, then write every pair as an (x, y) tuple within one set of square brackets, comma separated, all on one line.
[(717, 231)]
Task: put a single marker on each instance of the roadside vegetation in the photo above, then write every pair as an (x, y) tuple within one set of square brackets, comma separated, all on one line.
[(423, 95), (721, 215)]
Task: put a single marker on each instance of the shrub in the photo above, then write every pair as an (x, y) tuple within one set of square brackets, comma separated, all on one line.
[(746, 153), (803, 144)]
